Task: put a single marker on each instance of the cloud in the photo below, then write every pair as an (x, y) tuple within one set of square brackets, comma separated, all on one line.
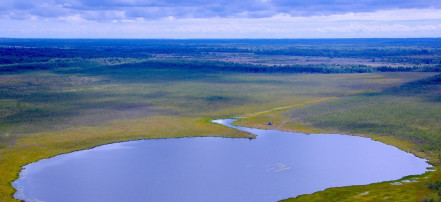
[(392, 23), (220, 18), (324, 7), (110, 10)]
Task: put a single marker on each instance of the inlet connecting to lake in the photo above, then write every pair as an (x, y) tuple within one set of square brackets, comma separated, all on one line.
[(274, 166)]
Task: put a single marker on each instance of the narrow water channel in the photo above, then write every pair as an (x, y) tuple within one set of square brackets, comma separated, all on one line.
[(274, 166)]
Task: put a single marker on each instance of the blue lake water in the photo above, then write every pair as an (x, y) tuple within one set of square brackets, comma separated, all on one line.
[(274, 166)]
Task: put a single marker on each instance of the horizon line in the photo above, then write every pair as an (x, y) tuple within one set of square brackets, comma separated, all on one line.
[(111, 38)]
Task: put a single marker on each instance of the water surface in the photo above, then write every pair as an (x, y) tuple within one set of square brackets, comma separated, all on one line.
[(274, 166)]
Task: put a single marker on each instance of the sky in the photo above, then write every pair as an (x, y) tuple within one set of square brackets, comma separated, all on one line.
[(182, 19)]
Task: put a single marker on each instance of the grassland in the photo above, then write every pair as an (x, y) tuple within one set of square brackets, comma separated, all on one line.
[(75, 100), (97, 112), (407, 116)]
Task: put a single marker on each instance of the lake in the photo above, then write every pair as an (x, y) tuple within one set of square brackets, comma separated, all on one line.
[(274, 166)]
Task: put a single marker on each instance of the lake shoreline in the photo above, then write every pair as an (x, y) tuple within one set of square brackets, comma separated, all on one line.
[(228, 137), (434, 170)]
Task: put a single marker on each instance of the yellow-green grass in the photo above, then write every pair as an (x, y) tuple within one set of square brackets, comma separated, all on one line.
[(192, 103), (409, 188), (277, 118), (48, 144), (414, 107)]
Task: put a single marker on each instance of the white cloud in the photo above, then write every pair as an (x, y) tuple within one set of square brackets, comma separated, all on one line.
[(387, 23)]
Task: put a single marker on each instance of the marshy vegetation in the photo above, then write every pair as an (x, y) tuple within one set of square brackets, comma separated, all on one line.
[(58, 96)]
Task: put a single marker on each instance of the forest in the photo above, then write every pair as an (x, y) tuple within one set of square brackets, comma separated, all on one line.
[(271, 56)]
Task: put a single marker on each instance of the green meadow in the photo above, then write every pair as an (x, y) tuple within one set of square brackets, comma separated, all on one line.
[(51, 105), (407, 116)]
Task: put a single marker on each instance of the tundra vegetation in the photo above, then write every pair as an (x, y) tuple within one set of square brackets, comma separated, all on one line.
[(58, 96)]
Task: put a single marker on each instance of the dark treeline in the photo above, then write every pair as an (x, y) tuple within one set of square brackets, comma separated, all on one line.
[(210, 66), (416, 54), (349, 51), (238, 67)]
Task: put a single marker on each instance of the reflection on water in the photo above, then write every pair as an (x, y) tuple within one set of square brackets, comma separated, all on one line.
[(274, 166)]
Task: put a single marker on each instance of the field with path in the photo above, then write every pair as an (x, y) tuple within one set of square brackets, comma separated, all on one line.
[(51, 105)]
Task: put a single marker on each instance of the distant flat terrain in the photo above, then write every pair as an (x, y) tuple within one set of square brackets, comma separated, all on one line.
[(61, 95)]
